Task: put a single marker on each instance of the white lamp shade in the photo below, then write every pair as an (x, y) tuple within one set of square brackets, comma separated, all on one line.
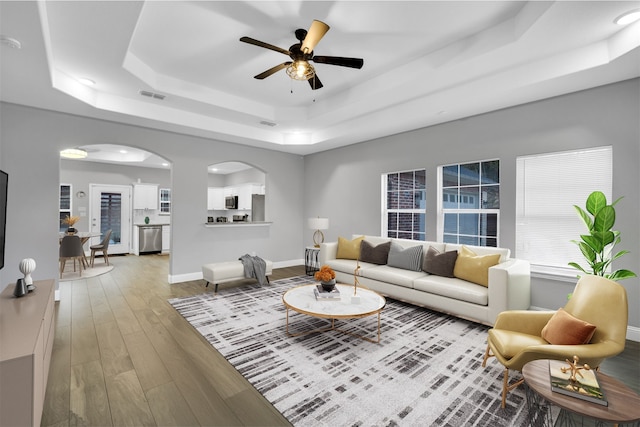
[(318, 223)]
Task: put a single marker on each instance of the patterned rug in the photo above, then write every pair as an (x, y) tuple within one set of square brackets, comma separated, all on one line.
[(425, 371)]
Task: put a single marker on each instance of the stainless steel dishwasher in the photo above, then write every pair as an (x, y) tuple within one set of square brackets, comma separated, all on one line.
[(150, 239)]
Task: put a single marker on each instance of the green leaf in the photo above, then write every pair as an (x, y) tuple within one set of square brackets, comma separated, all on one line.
[(621, 274), (593, 242), (578, 267), (604, 219), (596, 201), (586, 219), (617, 200), (619, 254), (587, 251)]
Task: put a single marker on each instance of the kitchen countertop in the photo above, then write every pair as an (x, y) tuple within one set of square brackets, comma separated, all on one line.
[(237, 224)]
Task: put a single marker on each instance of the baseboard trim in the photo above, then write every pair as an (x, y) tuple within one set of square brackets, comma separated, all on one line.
[(187, 277), (633, 332)]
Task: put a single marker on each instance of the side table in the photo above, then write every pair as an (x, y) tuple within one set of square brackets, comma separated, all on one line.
[(623, 403), (311, 260)]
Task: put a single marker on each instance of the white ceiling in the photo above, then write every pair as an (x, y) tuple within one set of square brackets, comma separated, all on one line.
[(425, 62)]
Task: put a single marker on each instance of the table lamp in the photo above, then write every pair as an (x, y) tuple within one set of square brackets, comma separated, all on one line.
[(318, 224)]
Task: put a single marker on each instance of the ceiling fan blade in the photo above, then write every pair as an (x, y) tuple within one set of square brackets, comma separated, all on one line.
[(264, 45), (338, 60), (272, 70), (317, 30), (315, 82)]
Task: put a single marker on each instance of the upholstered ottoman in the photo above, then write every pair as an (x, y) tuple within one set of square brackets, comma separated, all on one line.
[(222, 272)]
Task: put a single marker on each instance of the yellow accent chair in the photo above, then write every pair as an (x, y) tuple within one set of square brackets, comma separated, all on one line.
[(516, 337)]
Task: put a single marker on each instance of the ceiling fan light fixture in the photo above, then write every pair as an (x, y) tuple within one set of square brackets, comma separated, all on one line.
[(73, 153), (628, 17), (301, 70)]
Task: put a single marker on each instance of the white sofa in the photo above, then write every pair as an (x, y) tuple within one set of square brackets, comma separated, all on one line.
[(508, 285)]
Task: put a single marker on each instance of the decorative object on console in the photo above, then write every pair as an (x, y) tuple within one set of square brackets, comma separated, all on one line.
[(318, 224), (21, 288), (564, 380), (26, 267), (327, 278), (70, 221), (597, 246), (146, 220)]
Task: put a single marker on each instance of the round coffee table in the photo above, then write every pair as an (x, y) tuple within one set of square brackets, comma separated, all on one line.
[(623, 408), (302, 300)]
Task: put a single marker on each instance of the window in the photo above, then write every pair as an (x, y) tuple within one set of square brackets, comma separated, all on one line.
[(404, 195), (548, 185), (165, 201), (470, 207), (65, 204), (110, 215)]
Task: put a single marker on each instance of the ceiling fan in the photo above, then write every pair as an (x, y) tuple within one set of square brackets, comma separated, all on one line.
[(301, 53)]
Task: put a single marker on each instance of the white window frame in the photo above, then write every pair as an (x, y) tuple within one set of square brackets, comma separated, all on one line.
[(164, 204), (69, 211), (583, 179), (385, 211), (479, 211)]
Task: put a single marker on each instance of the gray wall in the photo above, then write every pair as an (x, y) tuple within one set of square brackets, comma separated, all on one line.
[(30, 142), (344, 184)]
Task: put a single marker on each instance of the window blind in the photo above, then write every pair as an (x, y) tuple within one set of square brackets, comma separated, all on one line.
[(548, 185)]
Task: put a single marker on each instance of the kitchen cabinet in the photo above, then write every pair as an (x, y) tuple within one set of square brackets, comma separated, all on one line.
[(27, 330), (244, 194), (215, 198), (166, 238), (145, 196)]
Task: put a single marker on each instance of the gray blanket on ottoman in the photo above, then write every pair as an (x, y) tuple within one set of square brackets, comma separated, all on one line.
[(254, 268)]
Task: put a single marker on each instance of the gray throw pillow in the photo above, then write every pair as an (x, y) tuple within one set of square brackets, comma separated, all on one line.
[(440, 264), (374, 254), (405, 258)]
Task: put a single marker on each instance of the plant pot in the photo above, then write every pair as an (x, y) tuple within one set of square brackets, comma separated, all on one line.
[(71, 231), (329, 286)]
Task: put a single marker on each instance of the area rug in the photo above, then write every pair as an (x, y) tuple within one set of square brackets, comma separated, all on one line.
[(98, 269), (427, 369)]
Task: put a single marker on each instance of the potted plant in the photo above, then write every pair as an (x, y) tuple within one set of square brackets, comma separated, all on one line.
[(70, 221), (597, 246), (327, 278)]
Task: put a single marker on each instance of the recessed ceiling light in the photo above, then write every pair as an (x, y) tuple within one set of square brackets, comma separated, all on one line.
[(85, 81), (10, 42), (628, 17), (123, 151), (165, 164), (73, 153)]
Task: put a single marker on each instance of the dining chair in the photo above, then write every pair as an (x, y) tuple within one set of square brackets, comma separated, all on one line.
[(103, 247), (71, 248)]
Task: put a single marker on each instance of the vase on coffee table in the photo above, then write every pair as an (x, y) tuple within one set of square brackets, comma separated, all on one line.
[(329, 285)]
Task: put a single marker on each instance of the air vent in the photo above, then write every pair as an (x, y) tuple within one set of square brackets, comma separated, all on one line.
[(266, 123), (152, 94)]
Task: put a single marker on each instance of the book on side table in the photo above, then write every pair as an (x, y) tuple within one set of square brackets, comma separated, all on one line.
[(322, 295), (586, 387)]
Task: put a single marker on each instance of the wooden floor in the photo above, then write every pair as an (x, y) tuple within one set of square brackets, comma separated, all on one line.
[(123, 356)]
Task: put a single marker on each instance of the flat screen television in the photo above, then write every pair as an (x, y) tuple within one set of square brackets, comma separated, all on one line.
[(4, 179)]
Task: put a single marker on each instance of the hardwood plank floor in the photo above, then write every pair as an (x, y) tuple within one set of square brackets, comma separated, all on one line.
[(123, 356)]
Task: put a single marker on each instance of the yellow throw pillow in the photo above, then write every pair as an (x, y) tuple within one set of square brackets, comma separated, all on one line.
[(474, 268), (349, 249)]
